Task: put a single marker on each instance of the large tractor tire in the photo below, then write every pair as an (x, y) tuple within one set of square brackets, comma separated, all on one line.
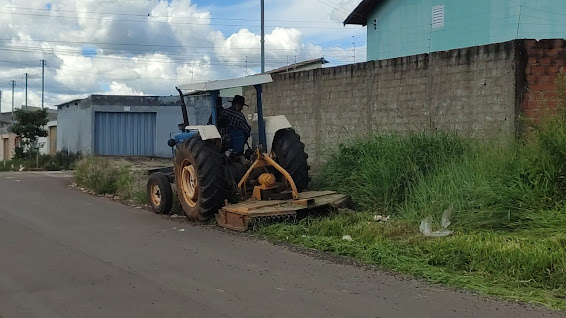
[(290, 153), (160, 193), (200, 178)]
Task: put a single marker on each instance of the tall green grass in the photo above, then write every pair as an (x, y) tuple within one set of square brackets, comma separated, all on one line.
[(495, 185), (501, 186), (509, 210), (378, 172)]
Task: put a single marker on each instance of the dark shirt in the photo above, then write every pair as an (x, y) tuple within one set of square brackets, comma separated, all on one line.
[(235, 120)]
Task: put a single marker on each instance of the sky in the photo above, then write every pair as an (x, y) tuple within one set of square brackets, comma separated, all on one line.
[(146, 47)]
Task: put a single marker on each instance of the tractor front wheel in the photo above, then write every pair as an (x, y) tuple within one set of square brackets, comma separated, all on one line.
[(200, 178), (160, 193), (291, 156)]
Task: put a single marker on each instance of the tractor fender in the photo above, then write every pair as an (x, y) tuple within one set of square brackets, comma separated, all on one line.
[(207, 132), (272, 125)]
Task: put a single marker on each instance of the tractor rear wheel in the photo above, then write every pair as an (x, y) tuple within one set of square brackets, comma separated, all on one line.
[(200, 178), (290, 153)]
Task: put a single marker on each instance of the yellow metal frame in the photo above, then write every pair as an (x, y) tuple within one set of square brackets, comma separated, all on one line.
[(265, 160)]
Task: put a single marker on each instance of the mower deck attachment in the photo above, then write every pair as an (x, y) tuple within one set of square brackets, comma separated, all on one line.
[(240, 215)]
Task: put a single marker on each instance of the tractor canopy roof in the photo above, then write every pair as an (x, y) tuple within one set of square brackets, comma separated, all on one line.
[(228, 83)]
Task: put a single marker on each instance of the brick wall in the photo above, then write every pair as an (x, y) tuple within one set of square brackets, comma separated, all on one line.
[(471, 91), (544, 59)]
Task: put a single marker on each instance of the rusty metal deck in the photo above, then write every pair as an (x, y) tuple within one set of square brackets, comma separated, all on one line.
[(238, 216)]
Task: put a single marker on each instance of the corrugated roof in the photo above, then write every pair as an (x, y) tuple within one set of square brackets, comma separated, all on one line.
[(292, 67), (360, 14)]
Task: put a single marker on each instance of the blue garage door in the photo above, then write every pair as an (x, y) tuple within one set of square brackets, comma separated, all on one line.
[(124, 134)]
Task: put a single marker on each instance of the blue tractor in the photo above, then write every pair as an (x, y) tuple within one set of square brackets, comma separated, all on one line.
[(224, 176)]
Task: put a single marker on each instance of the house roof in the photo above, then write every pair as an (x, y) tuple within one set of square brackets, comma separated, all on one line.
[(360, 14), (294, 66)]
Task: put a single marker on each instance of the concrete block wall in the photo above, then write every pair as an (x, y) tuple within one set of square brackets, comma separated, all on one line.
[(544, 60), (470, 91)]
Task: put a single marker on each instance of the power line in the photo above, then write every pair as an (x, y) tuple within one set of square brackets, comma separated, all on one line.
[(334, 6), (141, 45), (169, 17), (166, 22), (168, 59)]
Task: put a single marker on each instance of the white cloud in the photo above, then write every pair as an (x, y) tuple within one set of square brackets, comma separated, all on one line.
[(238, 47), (148, 46), (117, 88)]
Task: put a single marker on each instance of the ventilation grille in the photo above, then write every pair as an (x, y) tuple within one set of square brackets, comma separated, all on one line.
[(437, 17)]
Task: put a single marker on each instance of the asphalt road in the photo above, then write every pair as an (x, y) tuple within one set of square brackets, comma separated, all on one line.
[(64, 253)]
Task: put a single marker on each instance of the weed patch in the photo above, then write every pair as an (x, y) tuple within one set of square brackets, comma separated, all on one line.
[(100, 175)]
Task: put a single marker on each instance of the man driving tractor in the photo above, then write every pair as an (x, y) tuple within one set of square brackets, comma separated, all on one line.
[(234, 118)]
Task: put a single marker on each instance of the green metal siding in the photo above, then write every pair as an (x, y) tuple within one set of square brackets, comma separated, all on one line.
[(404, 26)]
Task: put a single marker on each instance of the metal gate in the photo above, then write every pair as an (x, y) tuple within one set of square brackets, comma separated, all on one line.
[(124, 134)]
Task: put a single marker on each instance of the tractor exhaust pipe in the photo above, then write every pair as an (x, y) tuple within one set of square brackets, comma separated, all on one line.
[(183, 110)]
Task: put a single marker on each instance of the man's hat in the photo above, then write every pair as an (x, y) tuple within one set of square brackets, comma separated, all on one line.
[(239, 99)]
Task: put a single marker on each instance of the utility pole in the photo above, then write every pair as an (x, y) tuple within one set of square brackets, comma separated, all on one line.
[(354, 44), (26, 91), (262, 38), (519, 22), (42, 82), (12, 113), (0, 105), (246, 61)]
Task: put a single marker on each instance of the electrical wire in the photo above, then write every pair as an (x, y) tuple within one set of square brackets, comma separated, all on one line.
[(168, 17), (94, 44), (166, 22)]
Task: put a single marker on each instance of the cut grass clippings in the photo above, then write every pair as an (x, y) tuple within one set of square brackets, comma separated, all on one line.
[(514, 266)]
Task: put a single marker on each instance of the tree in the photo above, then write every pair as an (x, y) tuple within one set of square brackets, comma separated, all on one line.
[(29, 126)]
